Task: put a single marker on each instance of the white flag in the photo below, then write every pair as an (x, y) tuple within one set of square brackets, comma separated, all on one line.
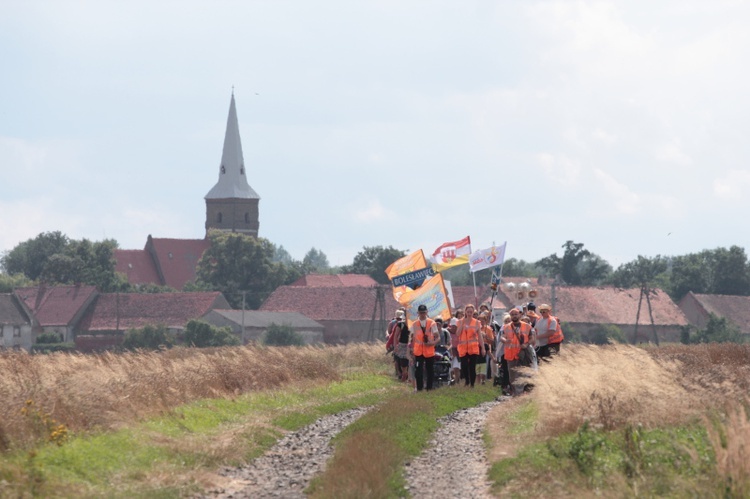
[(486, 258)]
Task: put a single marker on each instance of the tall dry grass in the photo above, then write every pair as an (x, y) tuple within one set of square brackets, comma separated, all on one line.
[(730, 436), (83, 392), (616, 385)]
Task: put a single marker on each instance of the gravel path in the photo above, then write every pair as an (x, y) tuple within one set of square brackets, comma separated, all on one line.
[(453, 465), (287, 468), (455, 462)]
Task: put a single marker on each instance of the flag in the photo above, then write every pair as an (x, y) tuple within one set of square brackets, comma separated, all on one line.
[(405, 265), (413, 279), (486, 258), (451, 254), (431, 293)]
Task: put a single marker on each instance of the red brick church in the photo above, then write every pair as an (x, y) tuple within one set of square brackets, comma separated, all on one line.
[(231, 205)]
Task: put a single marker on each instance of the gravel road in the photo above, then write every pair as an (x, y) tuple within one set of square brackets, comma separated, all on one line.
[(453, 465)]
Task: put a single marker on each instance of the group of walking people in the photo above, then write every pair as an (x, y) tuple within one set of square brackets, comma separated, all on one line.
[(480, 348)]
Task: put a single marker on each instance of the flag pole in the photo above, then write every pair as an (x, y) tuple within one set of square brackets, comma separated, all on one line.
[(476, 299)]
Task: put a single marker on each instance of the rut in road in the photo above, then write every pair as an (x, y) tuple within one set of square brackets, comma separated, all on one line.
[(286, 469)]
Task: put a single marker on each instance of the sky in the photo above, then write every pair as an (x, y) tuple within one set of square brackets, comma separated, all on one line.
[(622, 125)]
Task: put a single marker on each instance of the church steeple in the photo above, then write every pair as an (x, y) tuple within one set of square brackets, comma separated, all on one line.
[(232, 204)]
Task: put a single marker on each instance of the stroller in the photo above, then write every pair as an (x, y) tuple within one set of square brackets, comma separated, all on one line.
[(442, 366)]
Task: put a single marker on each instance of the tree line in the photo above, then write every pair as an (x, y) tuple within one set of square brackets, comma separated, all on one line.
[(247, 270)]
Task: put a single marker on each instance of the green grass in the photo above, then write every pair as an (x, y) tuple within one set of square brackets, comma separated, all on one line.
[(119, 463), (632, 461)]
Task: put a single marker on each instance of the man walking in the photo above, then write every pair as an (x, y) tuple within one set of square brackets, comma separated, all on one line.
[(425, 334)]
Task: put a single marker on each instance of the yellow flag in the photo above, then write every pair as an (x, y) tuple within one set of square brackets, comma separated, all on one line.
[(432, 293), (404, 265)]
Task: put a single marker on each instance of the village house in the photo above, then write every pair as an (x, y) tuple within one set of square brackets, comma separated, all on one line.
[(15, 324), (251, 325), (113, 314), (56, 309), (699, 307)]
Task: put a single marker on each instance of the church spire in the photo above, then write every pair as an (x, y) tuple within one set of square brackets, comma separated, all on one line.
[(231, 204), (232, 173)]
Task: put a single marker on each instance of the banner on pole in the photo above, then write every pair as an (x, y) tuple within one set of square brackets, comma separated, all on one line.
[(451, 254), (405, 265), (431, 293), (413, 279), (486, 258)]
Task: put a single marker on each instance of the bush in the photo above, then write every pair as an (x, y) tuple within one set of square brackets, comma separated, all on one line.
[(202, 334), (53, 347), (605, 334), (47, 338), (148, 337), (283, 335), (718, 330)]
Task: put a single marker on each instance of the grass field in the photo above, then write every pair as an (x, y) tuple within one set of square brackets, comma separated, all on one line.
[(614, 421)]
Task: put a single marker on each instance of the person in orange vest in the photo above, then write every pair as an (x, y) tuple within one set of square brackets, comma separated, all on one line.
[(515, 336), (470, 345), (549, 332), (424, 333)]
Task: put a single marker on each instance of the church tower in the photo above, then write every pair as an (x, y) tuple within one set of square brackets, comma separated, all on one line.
[(232, 205)]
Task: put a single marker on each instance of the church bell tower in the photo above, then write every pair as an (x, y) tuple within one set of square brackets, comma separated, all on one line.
[(232, 205)]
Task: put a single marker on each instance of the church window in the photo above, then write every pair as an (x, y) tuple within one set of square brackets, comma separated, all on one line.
[(223, 170), (218, 217), (242, 170), (247, 218)]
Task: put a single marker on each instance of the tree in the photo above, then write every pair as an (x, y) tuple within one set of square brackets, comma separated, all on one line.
[(315, 261), (520, 268), (202, 334), (237, 264), (29, 257), (281, 255), (577, 266), (719, 271), (641, 272), (373, 261), (10, 282), (282, 335), (54, 258)]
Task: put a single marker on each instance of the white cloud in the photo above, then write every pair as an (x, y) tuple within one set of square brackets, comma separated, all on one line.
[(604, 136), (372, 212), (673, 153), (624, 201), (732, 185), (559, 168)]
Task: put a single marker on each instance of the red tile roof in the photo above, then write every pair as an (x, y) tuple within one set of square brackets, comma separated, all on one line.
[(138, 266), (56, 305), (463, 295), (137, 310), (176, 259), (328, 280), (355, 303), (598, 305)]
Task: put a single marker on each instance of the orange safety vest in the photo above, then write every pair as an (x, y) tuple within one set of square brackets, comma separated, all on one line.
[(557, 336), (513, 347), (468, 340), (489, 338), (422, 337)]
